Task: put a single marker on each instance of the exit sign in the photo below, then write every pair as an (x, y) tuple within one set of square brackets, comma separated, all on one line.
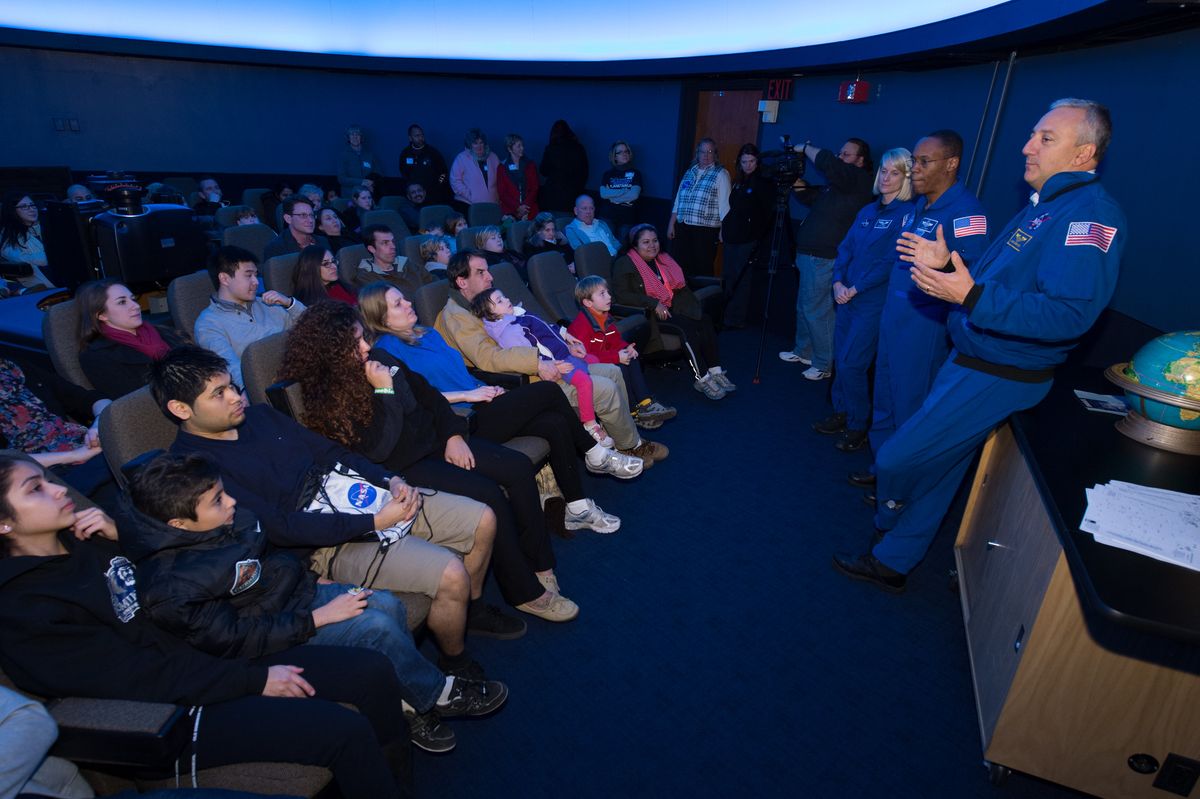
[(779, 89)]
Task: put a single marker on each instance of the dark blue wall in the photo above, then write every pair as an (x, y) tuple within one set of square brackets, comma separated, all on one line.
[(157, 115), (1152, 166)]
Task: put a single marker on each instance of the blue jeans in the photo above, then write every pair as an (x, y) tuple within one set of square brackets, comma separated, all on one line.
[(383, 626), (814, 311)]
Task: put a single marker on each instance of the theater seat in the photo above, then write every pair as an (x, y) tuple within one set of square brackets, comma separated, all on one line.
[(187, 297), (60, 330), (254, 238), (254, 199), (517, 235), (412, 249), (390, 202), (391, 219), (554, 287), (279, 273), (432, 215), (483, 214), (227, 215), (466, 237), (348, 259), (131, 425), (261, 361), (593, 259), (430, 300), (506, 278), (561, 222)]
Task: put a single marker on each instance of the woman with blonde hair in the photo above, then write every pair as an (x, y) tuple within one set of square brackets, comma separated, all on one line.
[(860, 279)]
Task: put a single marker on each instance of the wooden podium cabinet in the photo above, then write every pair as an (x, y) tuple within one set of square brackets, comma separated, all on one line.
[(1052, 700)]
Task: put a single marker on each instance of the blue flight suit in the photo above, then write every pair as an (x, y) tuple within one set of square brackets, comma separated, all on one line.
[(912, 328), (1039, 287), (864, 261)]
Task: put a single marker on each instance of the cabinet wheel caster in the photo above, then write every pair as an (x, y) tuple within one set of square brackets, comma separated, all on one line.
[(998, 774)]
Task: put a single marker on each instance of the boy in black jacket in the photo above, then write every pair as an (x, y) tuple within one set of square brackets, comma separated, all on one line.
[(208, 575)]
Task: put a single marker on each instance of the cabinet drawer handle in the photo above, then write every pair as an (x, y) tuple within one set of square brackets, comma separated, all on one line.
[(996, 545), (1020, 640)]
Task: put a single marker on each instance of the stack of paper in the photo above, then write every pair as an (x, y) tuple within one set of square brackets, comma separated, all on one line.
[(1160, 524)]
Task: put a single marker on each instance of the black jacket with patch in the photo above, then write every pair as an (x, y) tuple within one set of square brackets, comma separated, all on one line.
[(70, 626), (224, 591)]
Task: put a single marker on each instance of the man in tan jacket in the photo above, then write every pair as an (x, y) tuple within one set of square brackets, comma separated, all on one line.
[(469, 275)]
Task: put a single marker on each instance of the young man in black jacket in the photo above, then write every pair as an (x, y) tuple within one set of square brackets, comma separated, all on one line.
[(273, 465)]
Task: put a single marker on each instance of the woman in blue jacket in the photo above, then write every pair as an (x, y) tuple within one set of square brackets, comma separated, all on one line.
[(860, 280)]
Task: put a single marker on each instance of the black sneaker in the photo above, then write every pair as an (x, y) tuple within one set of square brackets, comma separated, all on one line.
[(473, 698), (487, 621), (427, 732), (831, 425), (469, 669), (866, 478), (868, 569)]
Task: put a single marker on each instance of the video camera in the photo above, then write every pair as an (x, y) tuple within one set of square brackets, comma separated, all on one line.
[(784, 166)]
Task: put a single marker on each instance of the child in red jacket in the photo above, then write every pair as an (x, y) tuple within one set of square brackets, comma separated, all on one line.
[(595, 328)]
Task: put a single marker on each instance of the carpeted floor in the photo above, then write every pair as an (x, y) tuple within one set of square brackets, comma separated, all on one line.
[(717, 652)]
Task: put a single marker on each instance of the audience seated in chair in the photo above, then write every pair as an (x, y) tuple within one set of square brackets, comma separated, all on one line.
[(410, 205), (544, 236), (413, 432), (185, 536), (235, 316), (464, 331), (435, 253), (361, 201), (594, 327), (490, 242), (316, 278), (21, 239), (587, 228), (385, 264), (70, 626), (330, 225), (300, 220), (115, 345), (276, 468)]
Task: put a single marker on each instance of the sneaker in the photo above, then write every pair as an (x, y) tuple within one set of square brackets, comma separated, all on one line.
[(787, 356), (656, 411), (646, 424), (549, 582), (831, 425), (709, 388), (473, 698), (813, 373), (620, 465), (596, 431), (427, 732), (488, 622), (468, 670), (866, 478), (852, 441), (594, 519), (551, 607), (724, 382), (649, 451)]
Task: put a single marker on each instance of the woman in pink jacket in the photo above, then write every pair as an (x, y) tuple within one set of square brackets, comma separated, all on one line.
[(474, 171)]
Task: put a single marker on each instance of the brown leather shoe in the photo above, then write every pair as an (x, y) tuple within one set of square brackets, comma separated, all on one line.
[(649, 451)]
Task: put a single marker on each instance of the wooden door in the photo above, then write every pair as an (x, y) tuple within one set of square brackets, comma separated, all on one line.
[(731, 118)]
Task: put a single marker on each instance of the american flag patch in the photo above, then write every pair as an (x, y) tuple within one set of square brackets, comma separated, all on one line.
[(970, 226), (1093, 233)]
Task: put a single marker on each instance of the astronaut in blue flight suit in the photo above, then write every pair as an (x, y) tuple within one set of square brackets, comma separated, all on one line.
[(860, 278), (1017, 313), (912, 330)]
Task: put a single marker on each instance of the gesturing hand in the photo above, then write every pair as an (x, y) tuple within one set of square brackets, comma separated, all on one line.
[(286, 681), (914, 249), (949, 286)]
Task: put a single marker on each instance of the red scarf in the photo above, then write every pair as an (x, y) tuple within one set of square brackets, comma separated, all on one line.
[(147, 340), (655, 287)]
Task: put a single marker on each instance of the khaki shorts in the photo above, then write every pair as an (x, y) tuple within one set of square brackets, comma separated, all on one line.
[(444, 529)]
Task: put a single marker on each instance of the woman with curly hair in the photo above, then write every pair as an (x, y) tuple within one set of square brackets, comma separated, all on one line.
[(316, 278), (394, 417)]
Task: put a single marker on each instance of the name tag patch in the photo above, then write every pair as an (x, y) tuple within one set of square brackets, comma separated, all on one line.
[(926, 226), (883, 224)]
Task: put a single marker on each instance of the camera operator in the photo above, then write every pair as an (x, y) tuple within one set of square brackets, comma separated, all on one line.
[(849, 174)]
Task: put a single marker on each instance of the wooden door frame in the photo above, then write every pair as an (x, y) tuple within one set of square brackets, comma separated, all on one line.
[(689, 105)]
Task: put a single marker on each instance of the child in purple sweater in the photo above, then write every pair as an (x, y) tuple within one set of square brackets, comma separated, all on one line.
[(514, 327)]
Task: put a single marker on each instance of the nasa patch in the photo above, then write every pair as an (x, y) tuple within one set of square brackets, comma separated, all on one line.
[(1037, 221), (361, 495)]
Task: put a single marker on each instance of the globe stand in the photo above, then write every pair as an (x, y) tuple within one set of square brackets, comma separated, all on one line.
[(1139, 427)]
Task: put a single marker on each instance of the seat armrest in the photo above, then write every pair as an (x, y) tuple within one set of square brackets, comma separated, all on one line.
[(502, 379), (119, 732), (465, 413), (701, 281), (630, 310)]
